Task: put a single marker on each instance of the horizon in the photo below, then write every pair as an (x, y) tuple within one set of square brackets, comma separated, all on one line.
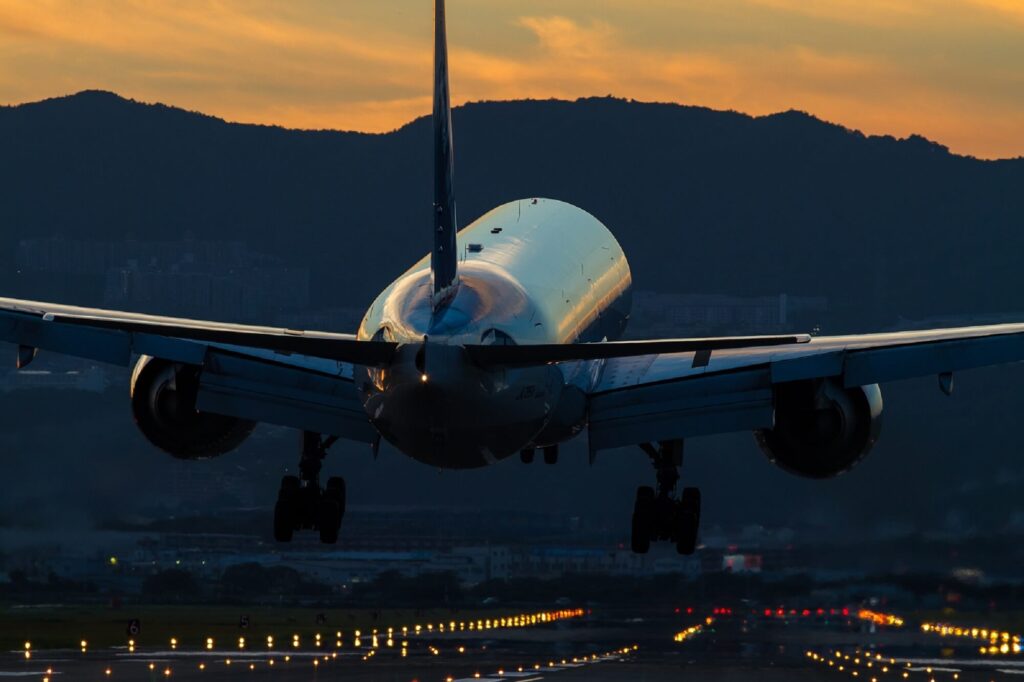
[(943, 70), (808, 114)]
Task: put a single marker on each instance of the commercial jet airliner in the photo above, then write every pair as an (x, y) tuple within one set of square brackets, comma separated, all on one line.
[(504, 340)]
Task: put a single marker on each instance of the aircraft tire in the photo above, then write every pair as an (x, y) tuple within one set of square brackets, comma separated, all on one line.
[(335, 490), (643, 520), (284, 520), (285, 510), (329, 513), (687, 521)]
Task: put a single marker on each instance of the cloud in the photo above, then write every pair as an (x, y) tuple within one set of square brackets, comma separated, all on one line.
[(1013, 9), (566, 38), (868, 12), (948, 69)]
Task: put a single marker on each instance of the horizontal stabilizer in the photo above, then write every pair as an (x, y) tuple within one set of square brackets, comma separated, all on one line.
[(521, 356)]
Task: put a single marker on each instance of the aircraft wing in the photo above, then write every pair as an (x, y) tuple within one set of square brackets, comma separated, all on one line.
[(112, 336), (277, 376), (667, 396)]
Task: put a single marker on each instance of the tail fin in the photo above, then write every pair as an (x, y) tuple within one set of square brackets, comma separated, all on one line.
[(443, 259)]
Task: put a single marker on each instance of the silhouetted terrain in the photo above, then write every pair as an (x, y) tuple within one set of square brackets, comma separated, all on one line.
[(883, 227), (702, 201)]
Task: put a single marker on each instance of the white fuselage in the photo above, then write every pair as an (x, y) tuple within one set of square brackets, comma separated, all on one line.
[(531, 271)]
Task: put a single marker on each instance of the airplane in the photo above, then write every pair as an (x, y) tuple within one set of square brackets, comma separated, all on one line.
[(505, 339)]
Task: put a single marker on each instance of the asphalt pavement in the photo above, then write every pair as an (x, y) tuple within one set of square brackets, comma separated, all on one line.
[(657, 644)]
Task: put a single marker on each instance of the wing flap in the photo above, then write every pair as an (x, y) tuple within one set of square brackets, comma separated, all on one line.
[(101, 345), (112, 336), (878, 365), (642, 399), (262, 390), (730, 402)]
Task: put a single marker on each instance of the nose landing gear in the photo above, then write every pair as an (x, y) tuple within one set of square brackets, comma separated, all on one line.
[(658, 515), (302, 503)]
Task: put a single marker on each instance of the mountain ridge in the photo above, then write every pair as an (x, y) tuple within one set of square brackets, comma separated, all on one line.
[(100, 95), (745, 205)]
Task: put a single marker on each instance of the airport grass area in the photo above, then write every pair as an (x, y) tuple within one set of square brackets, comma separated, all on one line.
[(55, 626)]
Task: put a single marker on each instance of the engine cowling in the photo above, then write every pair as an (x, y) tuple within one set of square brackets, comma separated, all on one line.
[(822, 429), (163, 397)]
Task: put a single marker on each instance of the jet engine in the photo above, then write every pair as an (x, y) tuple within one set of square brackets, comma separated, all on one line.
[(163, 397), (822, 429)]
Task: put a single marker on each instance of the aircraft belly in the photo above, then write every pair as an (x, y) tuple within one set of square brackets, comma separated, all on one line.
[(465, 423)]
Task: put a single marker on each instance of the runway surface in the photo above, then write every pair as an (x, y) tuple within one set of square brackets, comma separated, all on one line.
[(651, 645)]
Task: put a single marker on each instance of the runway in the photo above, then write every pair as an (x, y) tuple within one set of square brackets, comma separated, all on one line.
[(657, 644)]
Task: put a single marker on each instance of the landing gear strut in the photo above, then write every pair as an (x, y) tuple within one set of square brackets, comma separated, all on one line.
[(659, 515), (302, 503)]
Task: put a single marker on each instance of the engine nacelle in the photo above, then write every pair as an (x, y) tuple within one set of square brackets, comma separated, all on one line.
[(163, 396), (822, 429)]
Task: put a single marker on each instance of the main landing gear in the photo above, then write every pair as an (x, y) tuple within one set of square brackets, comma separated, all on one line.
[(659, 515), (302, 503)]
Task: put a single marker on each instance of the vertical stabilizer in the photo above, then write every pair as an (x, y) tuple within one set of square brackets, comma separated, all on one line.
[(444, 258)]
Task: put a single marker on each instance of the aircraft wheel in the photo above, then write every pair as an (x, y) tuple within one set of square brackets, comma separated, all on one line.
[(335, 490), (283, 521), (329, 513), (551, 454), (285, 509), (687, 521), (526, 455), (643, 520)]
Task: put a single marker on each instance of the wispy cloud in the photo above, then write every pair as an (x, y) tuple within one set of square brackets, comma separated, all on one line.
[(950, 69), (869, 12), (1014, 9)]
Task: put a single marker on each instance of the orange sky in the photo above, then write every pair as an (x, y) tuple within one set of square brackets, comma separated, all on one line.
[(952, 70)]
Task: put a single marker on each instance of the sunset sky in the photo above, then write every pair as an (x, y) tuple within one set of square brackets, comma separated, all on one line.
[(952, 70)]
